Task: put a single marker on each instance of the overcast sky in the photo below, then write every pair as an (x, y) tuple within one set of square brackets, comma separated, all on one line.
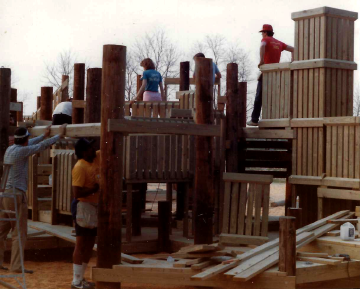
[(34, 32)]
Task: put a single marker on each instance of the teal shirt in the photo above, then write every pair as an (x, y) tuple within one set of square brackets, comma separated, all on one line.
[(153, 79)]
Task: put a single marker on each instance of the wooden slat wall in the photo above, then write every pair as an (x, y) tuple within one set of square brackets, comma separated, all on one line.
[(159, 157), (150, 109), (320, 92), (342, 150), (324, 37), (276, 94), (308, 152), (246, 209), (187, 100)]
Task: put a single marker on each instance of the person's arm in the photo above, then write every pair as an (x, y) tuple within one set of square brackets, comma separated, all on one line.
[(218, 74), (262, 53), (141, 91), (34, 149), (290, 49), (38, 139), (82, 192), (163, 96)]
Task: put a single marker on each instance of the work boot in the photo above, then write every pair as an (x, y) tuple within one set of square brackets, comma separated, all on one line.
[(251, 123)]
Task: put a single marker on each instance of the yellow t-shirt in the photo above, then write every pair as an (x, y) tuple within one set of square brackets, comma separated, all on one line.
[(85, 174)]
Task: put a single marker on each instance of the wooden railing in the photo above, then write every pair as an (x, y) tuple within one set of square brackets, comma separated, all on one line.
[(276, 91), (152, 109)]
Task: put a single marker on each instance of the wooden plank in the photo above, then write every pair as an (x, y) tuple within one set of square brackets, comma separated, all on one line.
[(201, 265), (72, 130), (338, 92), (306, 39), (338, 194), (345, 171), (351, 146), (269, 134), (247, 178), (236, 240), (265, 95), (167, 160), (311, 94), (179, 149), (201, 248), (300, 95), (218, 269), (321, 149), (181, 113), (131, 259), (265, 212), (234, 210), (310, 152), (305, 180), (155, 110), (269, 93), (316, 90), (307, 122), (161, 157), (154, 157), (288, 99), (148, 109), (65, 180), (357, 152), (242, 208), (283, 122), (130, 126), (71, 163), (334, 151), (312, 33), (295, 94), (315, 157), (140, 151), (258, 205), (341, 182), (274, 96), (305, 151), (77, 103), (278, 94), (340, 152), (319, 260), (299, 141), (323, 62), (282, 95), (250, 206), (226, 217), (162, 109), (307, 254), (147, 156), (323, 29), (173, 156), (15, 106)]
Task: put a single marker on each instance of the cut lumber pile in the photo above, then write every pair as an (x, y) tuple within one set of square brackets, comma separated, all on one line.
[(253, 262)]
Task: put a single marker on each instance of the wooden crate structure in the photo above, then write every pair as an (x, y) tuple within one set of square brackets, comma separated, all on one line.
[(187, 100), (276, 91), (152, 109), (147, 161), (324, 62), (343, 147), (246, 204), (308, 153)]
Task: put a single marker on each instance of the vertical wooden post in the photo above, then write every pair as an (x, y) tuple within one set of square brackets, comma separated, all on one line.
[(65, 91), (204, 190), (5, 92), (287, 246), (296, 213), (93, 96), (138, 84), (38, 102), (111, 170), (242, 123), (13, 98), (46, 103), (164, 222), (288, 196), (184, 75), (232, 117), (78, 93), (20, 114)]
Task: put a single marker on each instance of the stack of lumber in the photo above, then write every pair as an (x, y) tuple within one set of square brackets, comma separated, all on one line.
[(253, 262)]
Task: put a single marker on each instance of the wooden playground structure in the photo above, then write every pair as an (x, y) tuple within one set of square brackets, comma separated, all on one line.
[(222, 170)]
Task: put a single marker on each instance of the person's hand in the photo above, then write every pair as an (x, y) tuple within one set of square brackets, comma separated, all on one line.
[(132, 102), (62, 130), (47, 131), (261, 63)]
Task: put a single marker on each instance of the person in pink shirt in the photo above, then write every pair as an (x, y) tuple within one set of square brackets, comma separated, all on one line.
[(270, 52)]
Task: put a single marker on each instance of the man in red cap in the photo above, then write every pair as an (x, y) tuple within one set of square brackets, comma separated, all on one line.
[(270, 52)]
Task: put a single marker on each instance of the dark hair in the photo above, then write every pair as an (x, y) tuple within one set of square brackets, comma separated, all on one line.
[(270, 33), (147, 63), (81, 146), (18, 132), (200, 54)]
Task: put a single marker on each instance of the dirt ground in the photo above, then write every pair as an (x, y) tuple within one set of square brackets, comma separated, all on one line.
[(58, 274)]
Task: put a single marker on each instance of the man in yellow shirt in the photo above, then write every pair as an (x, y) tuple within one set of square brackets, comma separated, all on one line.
[(85, 187)]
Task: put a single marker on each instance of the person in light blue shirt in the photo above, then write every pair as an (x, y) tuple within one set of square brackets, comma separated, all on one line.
[(151, 81), (216, 71)]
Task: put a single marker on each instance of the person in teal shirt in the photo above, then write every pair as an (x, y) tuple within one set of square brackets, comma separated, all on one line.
[(216, 71), (151, 81)]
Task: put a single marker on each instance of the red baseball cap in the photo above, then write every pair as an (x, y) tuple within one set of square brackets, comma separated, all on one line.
[(266, 27)]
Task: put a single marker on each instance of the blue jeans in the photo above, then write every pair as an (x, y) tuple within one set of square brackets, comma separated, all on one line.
[(257, 103)]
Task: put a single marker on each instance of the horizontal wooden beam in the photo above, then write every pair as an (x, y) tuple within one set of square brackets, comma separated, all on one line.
[(333, 12), (72, 130), (307, 122), (269, 133), (39, 122), (341, 182), (323, 63), (247, 178), (343, 120), (15, 106), (176, 112), (131, 126), (176, 81), (305, 180), (236, 240), (338, 194), (221, 99), (275, 67), (77, 103), (281, 122)]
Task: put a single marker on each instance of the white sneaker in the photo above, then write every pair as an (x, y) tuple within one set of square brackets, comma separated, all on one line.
[(251, 123), (82, 285)]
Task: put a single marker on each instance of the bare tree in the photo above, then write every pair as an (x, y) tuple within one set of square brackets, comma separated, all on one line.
[(216, 45), (235, 54), (64, 65), (24, 97), (131, 76)]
